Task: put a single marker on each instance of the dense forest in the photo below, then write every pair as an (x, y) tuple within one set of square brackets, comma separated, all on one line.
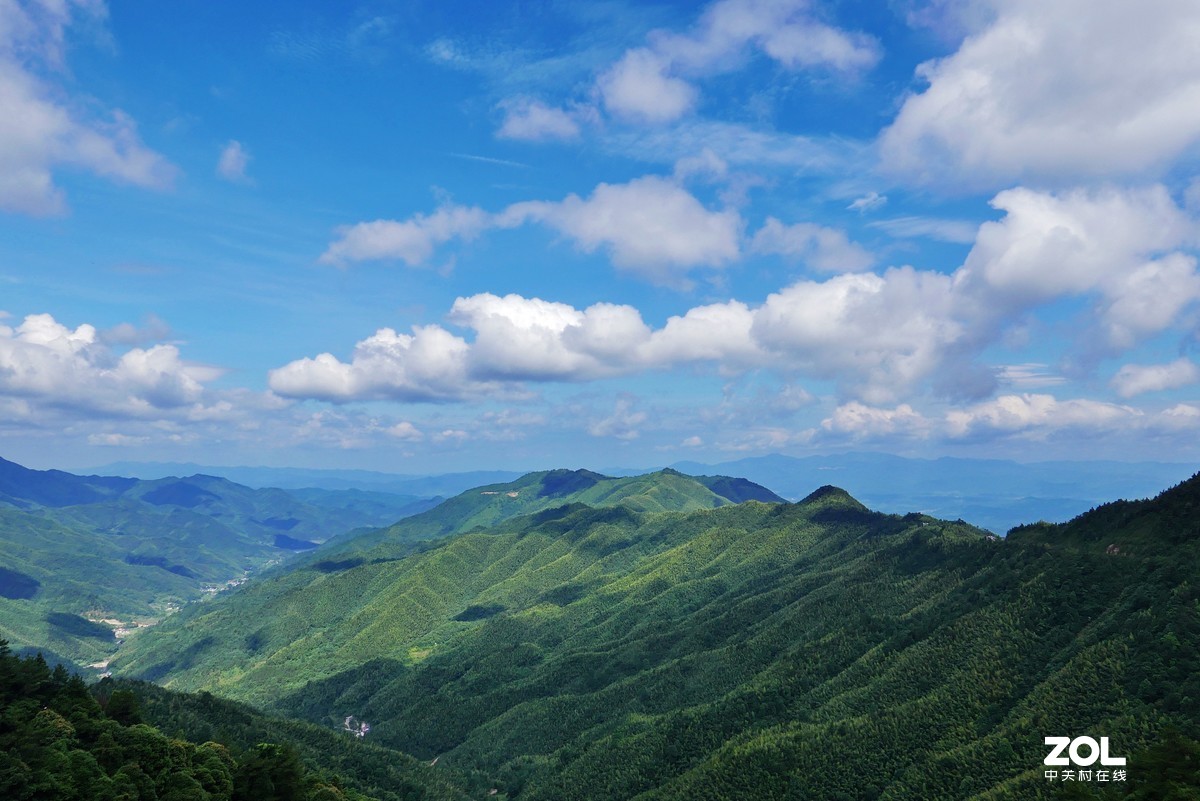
[(61, 740)]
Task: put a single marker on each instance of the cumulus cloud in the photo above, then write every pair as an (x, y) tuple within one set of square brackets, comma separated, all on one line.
[(1136, 379), (821, 248), (233, 161), (638, 88), (45, 361), (44, 127), (405, 431), (1063, 91), (651, 227), (877, 335), (881, 338), (1117, 244), (428, 365)]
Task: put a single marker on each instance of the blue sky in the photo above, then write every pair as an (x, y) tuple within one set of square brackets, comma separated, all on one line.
[(423, 237)]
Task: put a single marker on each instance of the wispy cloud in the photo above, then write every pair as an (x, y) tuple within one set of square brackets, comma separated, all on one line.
[(961, 232)]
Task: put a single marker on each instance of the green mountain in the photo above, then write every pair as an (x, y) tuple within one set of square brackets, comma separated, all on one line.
[(78, 550), (298, 621), (752, 651), (482, 507)]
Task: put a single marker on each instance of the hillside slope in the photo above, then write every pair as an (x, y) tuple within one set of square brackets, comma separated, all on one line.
[(75, 550), (759, 651), (347, 602), (485, 506)]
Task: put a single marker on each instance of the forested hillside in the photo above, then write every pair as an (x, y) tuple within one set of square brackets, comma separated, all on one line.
[(86, 559), (60, 739), (358, 598), (809, 650)]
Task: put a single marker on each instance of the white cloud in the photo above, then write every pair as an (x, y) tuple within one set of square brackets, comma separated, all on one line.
[(868, 202), (1106, 242), (878, 336), (43, 127), (1037, 415), (428, 365), (1136, 379), (1149, 299), (825, 249), (638, 88), (533, 120), (651, 84), (43, 360), (519, 338), (1181, 417), (782, 29), (412, 240), (232, 163), (859, 421), (881, 338), (1066, 90), (1031, 375), (719, 332), (650, 226)]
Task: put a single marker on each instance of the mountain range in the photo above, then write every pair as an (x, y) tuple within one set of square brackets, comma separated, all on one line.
[(744, 650), (569, 634), (995, 494)]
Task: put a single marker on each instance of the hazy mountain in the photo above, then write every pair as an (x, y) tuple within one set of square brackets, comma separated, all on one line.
[(995, 494), (760, 650), (422, 486)]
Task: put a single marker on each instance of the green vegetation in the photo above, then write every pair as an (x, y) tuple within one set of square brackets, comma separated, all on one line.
[(76, 550), (756, 651), (486, 506), (61, 741)]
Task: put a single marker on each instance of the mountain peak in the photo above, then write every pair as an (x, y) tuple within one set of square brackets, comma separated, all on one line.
[(829, 495)]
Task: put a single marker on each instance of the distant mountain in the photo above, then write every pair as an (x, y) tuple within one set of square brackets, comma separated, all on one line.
[(79, 549), (422, 486), (995, 494), (760, 650)]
